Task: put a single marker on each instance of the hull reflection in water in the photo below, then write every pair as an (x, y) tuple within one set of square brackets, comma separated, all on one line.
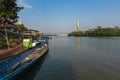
[(32, 72)]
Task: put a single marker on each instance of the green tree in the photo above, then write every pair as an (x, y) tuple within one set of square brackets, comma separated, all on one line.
[(22, 27), (9, 10), (99, 32), (75, 33)]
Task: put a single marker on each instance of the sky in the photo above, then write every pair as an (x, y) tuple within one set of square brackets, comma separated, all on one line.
[(62, 15)]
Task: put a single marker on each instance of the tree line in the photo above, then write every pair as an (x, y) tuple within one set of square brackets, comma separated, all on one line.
[(9, 15), (9, 10), (99, 31)]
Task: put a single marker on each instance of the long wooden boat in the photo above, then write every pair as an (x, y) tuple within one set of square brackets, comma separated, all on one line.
[(23, 65)]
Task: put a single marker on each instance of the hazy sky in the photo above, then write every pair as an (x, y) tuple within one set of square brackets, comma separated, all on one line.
[(61, 15)]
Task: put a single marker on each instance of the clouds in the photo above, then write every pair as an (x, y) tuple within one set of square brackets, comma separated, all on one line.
[(23, 3)]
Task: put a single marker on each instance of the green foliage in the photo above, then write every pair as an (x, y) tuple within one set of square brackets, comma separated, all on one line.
[(9, 13), (0, 44), (3, 44), (9, 9), (37, 36), (21, 27), (99, 31), (12, 42), (75, 33)]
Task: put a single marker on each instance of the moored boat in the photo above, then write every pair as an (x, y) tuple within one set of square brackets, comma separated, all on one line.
[(19, 67)]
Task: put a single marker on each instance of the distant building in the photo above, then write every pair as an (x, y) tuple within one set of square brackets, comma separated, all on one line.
[(77, 26), (7, 27), (31, 33)]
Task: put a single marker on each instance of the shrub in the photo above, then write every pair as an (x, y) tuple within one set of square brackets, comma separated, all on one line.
[(12, 42)]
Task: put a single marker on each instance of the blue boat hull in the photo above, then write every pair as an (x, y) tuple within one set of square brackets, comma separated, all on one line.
[(12, 75)]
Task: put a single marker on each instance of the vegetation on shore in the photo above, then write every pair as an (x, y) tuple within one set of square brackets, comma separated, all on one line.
[(22, 28), (98, 32), (9, 13), (9, 10), (13, 42)]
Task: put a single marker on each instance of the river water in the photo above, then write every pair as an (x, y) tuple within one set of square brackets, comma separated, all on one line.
[(78, 58)]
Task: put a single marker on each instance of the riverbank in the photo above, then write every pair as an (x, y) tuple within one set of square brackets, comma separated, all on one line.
[(98, 32), (6, 53), (6, 49)]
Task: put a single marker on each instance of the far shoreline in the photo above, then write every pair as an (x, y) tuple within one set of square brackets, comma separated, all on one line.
[(97, 32)]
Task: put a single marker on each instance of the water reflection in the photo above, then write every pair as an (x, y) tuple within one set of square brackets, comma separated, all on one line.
[(99, 59), (78, 43)]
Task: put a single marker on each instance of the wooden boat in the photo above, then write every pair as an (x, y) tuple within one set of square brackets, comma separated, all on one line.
[(20, 67)]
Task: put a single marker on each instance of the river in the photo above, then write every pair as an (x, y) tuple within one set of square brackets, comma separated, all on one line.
[(78, 58)]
